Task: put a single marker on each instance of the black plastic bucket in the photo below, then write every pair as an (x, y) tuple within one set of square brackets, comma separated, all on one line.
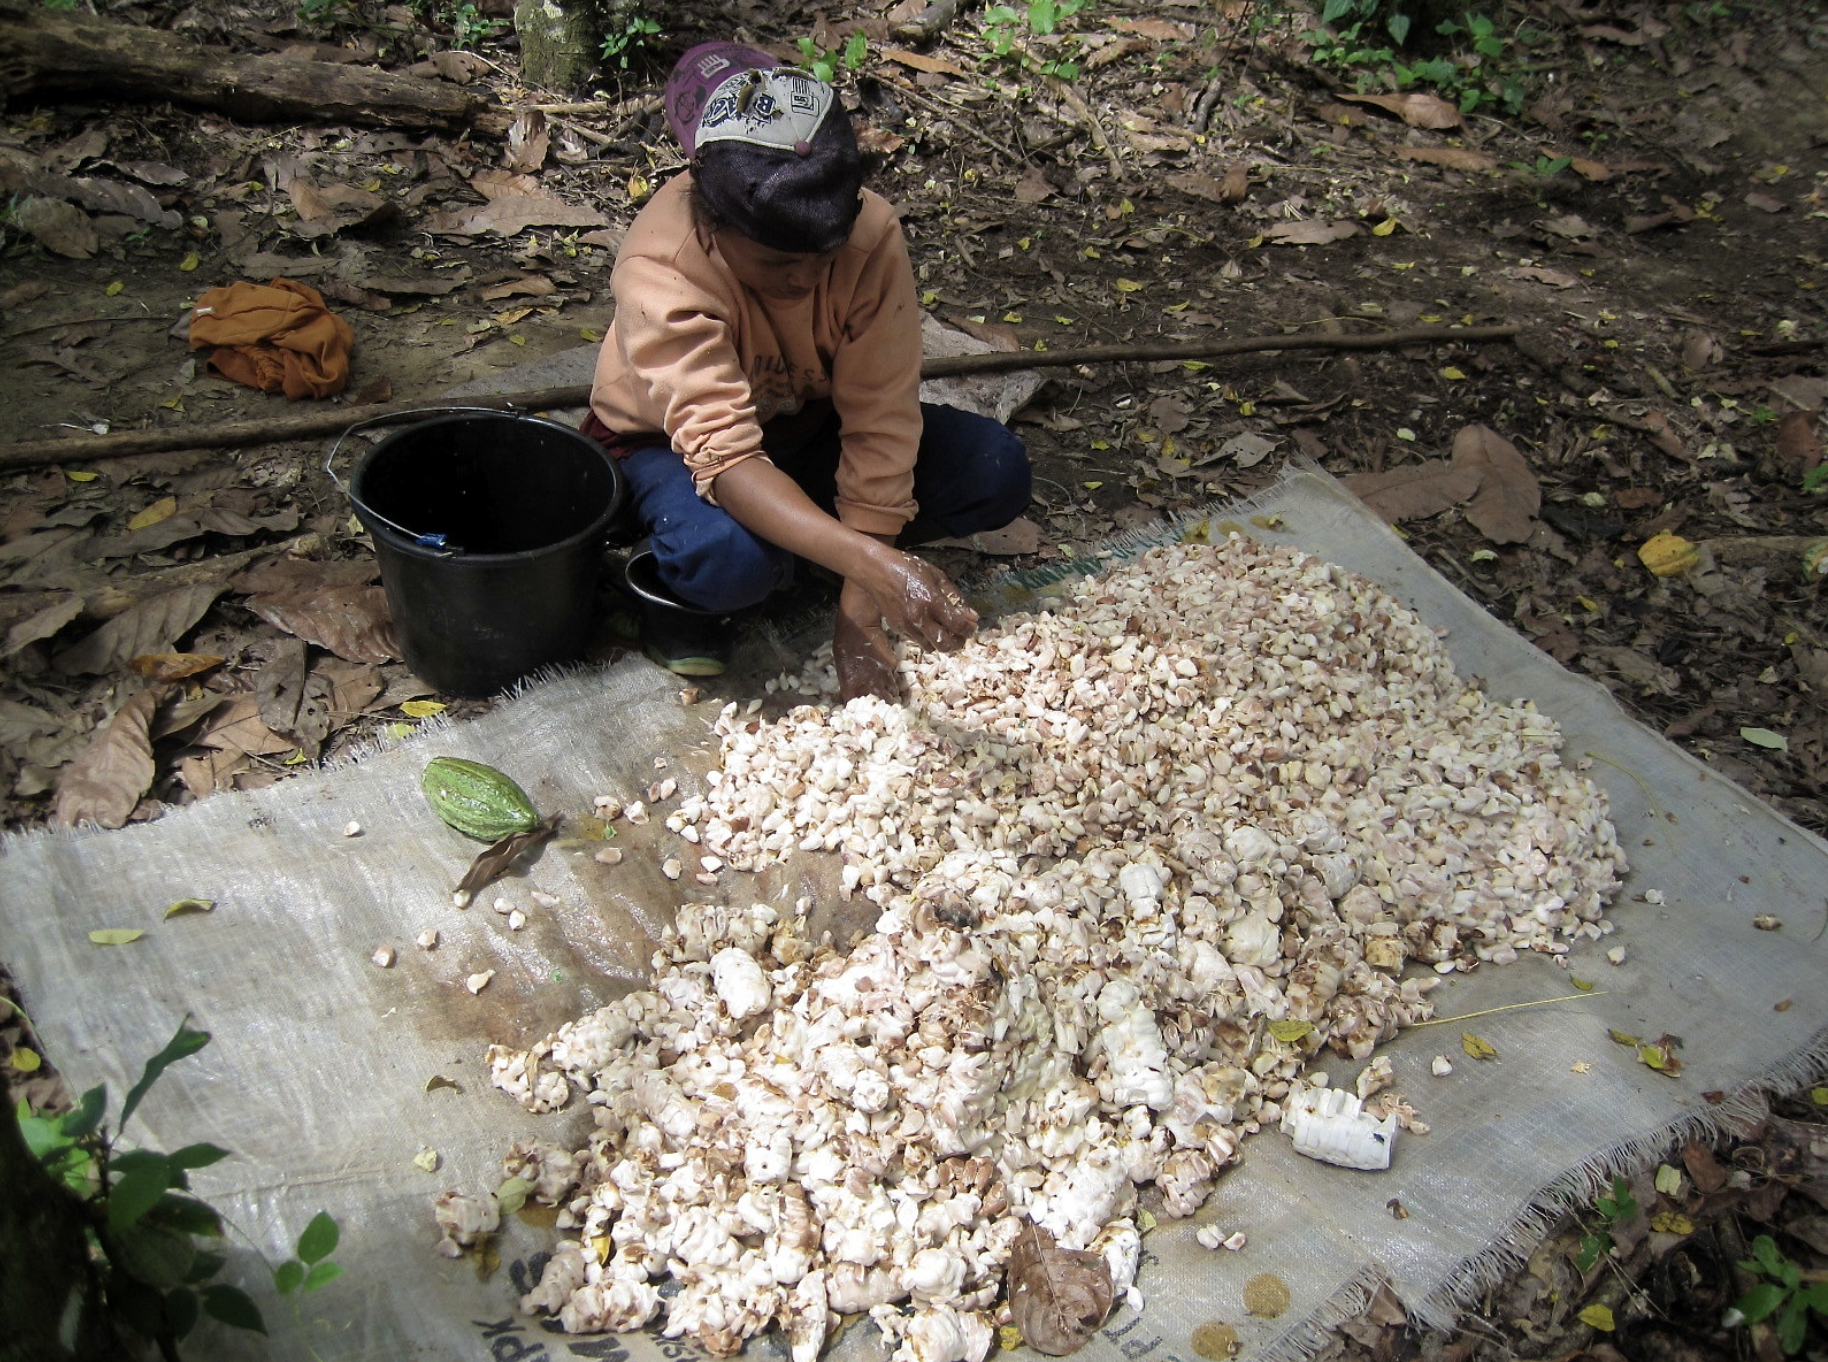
[(490, 529)]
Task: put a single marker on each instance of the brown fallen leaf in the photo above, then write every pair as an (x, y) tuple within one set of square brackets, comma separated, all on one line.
[(41, 625), (525, 286), (1453, 158), (916, 61), (1504, 508), (292, 702), (1415, 491), (152, 626), (104, 785), (1797, 443), (281, 575), (1312, 232), (492, 864), (529, 141), (173, 666), (351, 621), (62, 228), (237, 729), (1417, 110), (1020, 536), (1057, 1297), (1032, 188)]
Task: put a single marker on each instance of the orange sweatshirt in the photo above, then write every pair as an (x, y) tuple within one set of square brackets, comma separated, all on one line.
[(696, 355)]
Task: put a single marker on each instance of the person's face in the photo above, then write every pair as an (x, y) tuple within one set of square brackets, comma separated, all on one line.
[(786, 276)]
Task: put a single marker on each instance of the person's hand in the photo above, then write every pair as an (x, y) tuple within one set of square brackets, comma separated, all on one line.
[(913, 598), (861, 648)]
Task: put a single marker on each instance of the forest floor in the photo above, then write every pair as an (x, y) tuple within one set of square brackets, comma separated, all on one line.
[(1650, 219)]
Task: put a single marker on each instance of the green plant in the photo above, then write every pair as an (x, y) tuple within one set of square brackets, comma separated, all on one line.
[(139, 1225), (824, 64), (1545, 166), (470, 27), (1614, 1209), (1816, 478), (631, 40), (1042, 18), (1784, 1295)]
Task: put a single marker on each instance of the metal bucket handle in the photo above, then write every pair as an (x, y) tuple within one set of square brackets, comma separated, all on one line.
[(435, 542)]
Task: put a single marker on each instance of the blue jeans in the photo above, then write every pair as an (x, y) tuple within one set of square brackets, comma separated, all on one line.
[(971, 474)]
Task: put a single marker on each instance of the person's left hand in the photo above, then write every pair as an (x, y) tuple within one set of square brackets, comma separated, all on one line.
[(861, 648)]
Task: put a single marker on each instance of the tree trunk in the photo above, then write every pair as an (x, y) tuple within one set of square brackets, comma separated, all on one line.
[(44, 1264), (45, 55)]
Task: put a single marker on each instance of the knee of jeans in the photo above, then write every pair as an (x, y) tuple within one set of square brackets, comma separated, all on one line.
[(1008, 479), (732, 572)]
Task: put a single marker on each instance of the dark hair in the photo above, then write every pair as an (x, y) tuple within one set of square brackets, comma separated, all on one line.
[(780, 198)]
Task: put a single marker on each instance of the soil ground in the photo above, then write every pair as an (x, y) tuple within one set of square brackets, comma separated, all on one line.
[(1651, 220)]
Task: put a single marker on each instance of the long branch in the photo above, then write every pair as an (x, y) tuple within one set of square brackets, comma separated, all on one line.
[(267, 430)]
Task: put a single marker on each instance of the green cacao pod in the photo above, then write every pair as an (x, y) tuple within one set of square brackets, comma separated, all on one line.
[(477, 800)]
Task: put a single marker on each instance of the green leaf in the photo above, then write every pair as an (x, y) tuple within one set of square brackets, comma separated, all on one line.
[(197, 1156), (319, 1239), (231, 1305), (288, 1276), (1398, 25), (203, 1267), (44, 1135), (181, 1310), (184, 1042), (1815, 1296), (187, 1215), (1764, 737), (153, 1255), (138, 1185), (86, 1115), (1765, 1254), (1335, 9), (1760, 1301), (512, 1194), (856, 50), (1592, 1247), (322, 1275), (1792, 1325)]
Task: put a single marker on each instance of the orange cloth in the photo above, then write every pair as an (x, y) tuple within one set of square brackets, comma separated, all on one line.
[(277, 335)]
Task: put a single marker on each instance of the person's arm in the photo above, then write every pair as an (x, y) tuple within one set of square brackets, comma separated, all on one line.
[(881, 583)]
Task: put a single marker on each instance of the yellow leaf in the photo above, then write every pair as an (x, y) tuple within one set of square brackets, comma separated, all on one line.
[(1038, 345), (1477, 1047), (1584, 985), (116, 287), (639, 187), (1267, 522), (116, 936), (585, 333), (1064, 321), (1093, 486), (1384, 228), (399, 730), (1452, 374), (189, 262), (1672, 1222), (82, 477), (1025, 242), (1623, 1038), (1402, 265), (1668, 555), (1009, 1338), (437, 1081), (1091, 253), (1013, 318), (1126, 208), (162, 509), (517, 340), (1127, 286), (1247, 409), (1598, 1317), (373, 186), (185, 907), (26, 1060), (426, 1160), (1819, 1096), (603, 1246), (174, 404), (929, 298), (297, 757), (1101, 444), (1669, 1181), (1200, 532), (1288, 1032), (421, 709)]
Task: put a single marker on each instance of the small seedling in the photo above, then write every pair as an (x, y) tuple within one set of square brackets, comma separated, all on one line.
[(631, 40), (1784, 1296), (1614, 1209), (1545, 166), (824, 64)]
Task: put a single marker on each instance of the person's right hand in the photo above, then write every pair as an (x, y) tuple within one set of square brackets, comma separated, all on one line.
[(916, 599)]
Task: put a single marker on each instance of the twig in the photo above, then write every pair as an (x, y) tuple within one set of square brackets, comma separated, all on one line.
[(34, 453), (1209, 100), (1090, 119), (959, 118), (1510, 1007)]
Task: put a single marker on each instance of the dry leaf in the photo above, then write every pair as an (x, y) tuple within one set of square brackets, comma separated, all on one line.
[(1032, 188), (59, 227), (933, 66), (1236, 186), (104, 785), (116, 936), (1312, 232), (1199, 184), (238, 731), (1477, 1046), (291, 702), (1797, 442), (41, 625), (152, 626), (1505, 506), (1020, 536), (351, 621), (1057, 1297), (173, 666), (282, 575), (1414, 491), (528, 142), (492, 864), (1417, 110), (516, 202), (527, 286), (1454, 158)]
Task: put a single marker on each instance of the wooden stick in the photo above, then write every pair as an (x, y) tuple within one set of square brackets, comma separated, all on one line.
[(267, 430)]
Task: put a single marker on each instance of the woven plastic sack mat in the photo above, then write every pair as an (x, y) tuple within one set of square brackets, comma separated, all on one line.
[(320, 1077)]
